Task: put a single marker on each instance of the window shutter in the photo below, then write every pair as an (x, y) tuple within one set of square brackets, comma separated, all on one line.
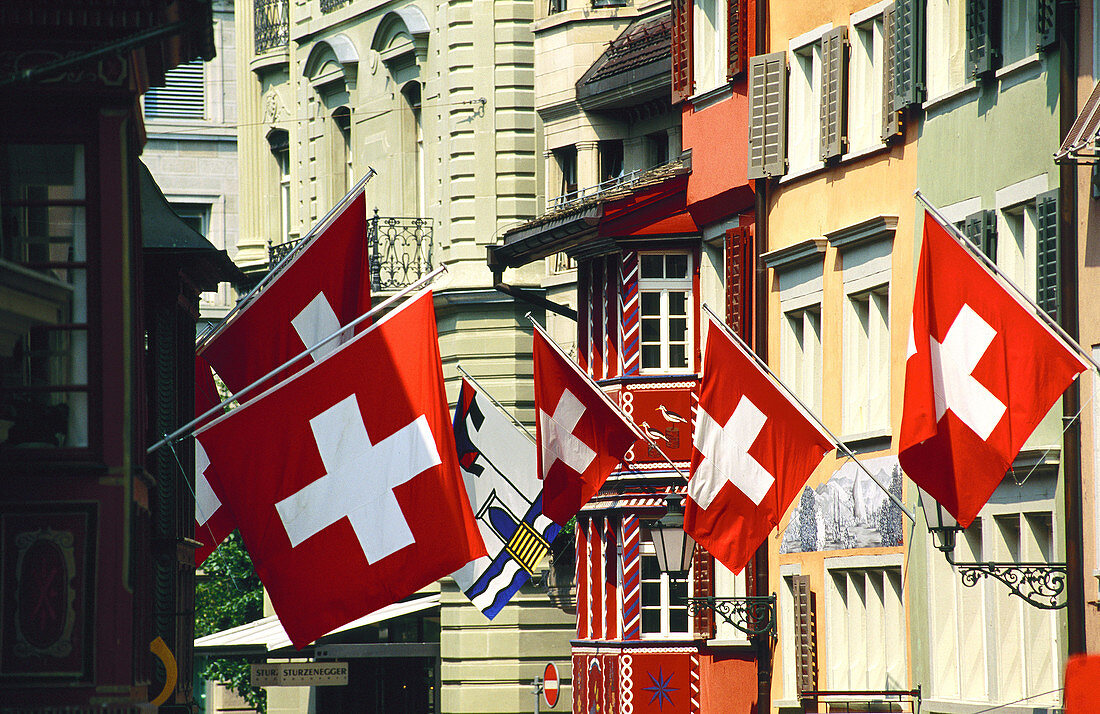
[(1047, 24), (1047, 294), (739, 272), (981, 229), (834, 91), (891, 117), (767, 115), (682, 81), (805, 645), (981, 54), (908, 51), (735, 38), (703, 586), (182, 96)]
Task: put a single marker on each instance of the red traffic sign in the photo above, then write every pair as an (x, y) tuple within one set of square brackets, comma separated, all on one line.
[(550, 684)]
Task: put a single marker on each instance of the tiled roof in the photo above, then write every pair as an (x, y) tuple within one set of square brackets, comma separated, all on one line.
[(642, 43)]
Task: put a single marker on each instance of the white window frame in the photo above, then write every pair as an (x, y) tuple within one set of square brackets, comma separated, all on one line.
[(709, 46), (647, 550), (945, 47), (1017, 246), (799, 273), (1018, 40), (854, 662), (804, 99), (865, 73), (663, 287)]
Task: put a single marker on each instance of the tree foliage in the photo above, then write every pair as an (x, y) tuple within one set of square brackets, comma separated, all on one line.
[(229, 594)]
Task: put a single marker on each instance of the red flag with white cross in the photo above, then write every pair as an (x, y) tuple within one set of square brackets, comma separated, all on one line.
[(346, 487), (323, 288), (754, 450), (582, 436), (981, 373), (212, 522)]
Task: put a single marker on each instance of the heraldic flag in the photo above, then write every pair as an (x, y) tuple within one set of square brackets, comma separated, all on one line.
[(345, 482), (325, 286), (499, 466), (981, 373), (753, 452), (582, 437)]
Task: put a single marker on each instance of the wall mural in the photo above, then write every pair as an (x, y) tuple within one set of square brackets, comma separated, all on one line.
[(847, 511)]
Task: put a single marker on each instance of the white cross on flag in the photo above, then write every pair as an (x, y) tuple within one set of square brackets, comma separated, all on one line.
[(753, 451), (345, 487), (981, 373), (581, 436), (323, 287)]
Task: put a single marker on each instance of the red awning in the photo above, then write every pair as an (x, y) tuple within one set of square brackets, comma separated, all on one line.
[(657, 210)]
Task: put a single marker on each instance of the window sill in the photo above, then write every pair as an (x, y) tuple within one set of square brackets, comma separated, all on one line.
[(956, 707), (857, 154), (803, 172), (710, 97), (1033, 61), (722, 644), (949, 96), (868, 441)]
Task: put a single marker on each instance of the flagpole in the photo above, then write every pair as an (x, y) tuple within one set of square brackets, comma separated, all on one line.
[(497, 404), (837, 443), (190, 426), (1048, 321), (293, 253), (622, 415)]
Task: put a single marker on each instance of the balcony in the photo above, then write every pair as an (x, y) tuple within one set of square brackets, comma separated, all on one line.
[(328, 6), (400, 251), (272, 25)]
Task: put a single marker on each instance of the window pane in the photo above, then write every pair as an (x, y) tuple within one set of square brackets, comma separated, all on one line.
[(44, 419), (651, 303), (650, 569), (677, 329), (41, 172), (676, 265), (651, 593), (651, 357), (677, 592), (652, 266), (677, 303), (678, 621), (651, 330), (651, 620), (677, 356)]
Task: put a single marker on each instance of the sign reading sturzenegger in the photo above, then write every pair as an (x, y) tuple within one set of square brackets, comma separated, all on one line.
[(300, 674)]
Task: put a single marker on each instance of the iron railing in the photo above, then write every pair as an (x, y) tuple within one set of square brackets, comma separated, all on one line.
[(330, 5), (400, 250), (272, 25)]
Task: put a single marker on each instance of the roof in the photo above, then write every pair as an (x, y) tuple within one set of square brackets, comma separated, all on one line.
[(267, 635), (1079, 145), (634, 69)]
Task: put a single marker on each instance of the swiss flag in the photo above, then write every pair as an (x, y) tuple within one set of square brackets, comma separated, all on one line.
[(753, 451), (324, 287), (1082, 675), (581, 436), (213, 523), (345, 484), (980, 375)]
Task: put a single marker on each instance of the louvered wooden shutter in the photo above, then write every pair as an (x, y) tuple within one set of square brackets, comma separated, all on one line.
[(739, 267), (1047, 24), (1047, 293), (908, 50), (891, 117), (702, 569), (834, 92), (805, 645), (981, 229), (981, 52), (182, 96), (735, 38), (767, 115), (682, 80)]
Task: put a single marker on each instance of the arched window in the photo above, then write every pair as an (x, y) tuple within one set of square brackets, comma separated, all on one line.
[(413, 143)]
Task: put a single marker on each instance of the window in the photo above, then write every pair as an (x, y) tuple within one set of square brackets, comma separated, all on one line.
[(805, 113), (183, 95), (414, 144), (566, 158), (611, 159), (946, 47), (865, 83), (867, 367), (279, 140), (656, 145), (665, 290), (709, 62), (195, 215), (1018, 30), (664, 598), (44, 386), (866, 621), (342, 155), (555, 6), (1026, 239), (800, 347)]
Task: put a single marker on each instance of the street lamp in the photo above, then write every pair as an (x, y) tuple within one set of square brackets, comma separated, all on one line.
[(753, 615), (1039, 584)]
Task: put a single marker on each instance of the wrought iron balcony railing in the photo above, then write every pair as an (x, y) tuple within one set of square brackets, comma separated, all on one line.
[(400, 250), (272, 23), (330, 5)]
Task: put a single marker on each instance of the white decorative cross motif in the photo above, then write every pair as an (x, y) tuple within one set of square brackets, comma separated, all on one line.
[(558, 441), (725, 451), (359, 480), (206, 501), (953, 363), (315, 322)]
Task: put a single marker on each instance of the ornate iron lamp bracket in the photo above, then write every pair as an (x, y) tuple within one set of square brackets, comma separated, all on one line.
[(753, 615), (1038, 584)]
